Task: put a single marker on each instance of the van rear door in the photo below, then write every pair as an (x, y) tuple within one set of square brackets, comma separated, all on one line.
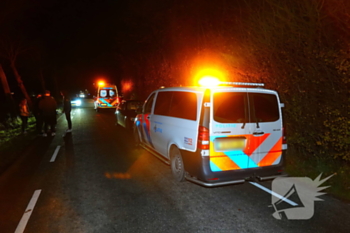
[(266, 139), (229, 130)]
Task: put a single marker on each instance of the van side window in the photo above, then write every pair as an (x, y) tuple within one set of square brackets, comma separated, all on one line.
[(176, 104), (264, 107), (149, 103), (184, 105), (163, 103), (230, 107)]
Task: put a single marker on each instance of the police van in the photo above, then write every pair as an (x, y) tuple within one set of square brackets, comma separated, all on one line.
[(107, 97), (215, 136)]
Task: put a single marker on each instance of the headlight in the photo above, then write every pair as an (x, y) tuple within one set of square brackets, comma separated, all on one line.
[(76, 102)]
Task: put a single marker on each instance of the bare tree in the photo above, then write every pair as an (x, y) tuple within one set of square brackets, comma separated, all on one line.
[(11, 51), (9, 102)]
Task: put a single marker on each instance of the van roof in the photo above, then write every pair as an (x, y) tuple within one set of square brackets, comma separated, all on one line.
[(218, 88)]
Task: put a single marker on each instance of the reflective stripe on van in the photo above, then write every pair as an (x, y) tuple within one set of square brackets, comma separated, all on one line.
[(108, 102), (235, 159)]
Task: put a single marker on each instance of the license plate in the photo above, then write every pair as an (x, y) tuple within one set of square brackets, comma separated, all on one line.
[(229, 144)]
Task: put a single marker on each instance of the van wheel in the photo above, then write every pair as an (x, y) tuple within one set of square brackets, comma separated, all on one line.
[(177, 165)]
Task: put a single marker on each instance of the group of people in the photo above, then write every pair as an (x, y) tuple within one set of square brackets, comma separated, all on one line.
[(44, 110)]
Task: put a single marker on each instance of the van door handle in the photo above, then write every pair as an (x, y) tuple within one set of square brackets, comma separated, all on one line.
[(258, 133)]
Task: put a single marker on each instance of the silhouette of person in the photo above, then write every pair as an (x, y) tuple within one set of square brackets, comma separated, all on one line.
[(38, 115), (67, 108), (47, 107), (24, 114)]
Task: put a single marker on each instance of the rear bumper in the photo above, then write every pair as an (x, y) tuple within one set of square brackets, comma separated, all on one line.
[(222, 183), (198, 171)]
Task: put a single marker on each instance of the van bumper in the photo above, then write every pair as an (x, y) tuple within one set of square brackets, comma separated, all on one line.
[(199, 172)]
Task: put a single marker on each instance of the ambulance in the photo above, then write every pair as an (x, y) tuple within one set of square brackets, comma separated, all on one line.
[(107, 97), (217, 135)]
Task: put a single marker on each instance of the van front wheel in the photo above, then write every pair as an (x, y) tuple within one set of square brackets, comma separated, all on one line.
[(177, 165)]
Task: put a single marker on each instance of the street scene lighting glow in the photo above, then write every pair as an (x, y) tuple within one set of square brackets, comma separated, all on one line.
[(209, 77), (209, 81)]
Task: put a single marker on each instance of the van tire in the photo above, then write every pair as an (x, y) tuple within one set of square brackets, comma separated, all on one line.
[(177, 165)]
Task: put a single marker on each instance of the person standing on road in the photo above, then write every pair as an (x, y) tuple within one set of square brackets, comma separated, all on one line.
[(47, 107), (24, 114), (67, 107), (38, 115)]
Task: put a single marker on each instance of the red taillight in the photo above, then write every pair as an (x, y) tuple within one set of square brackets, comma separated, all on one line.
[(213, 179), (284, 137), (203, 138)]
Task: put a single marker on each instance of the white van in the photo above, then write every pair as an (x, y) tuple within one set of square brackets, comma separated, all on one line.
[(107, 97), (215, 136)]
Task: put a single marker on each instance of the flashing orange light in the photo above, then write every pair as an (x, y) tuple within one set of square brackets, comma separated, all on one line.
[(101, 83), (209, 77), (209, 81)]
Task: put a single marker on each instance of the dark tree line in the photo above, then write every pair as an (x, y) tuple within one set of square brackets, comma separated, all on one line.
[(300, 48)]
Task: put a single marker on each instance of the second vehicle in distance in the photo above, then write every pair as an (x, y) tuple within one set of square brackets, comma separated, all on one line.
[(126, 113)]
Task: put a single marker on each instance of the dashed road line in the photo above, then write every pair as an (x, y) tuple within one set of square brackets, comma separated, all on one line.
[(55, 154), (29, 210)]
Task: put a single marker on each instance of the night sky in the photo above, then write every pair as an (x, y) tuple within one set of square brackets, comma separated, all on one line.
[(72, 42)]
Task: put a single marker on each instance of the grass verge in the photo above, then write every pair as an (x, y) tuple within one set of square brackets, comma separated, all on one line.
[(12, 141), (301, 166)]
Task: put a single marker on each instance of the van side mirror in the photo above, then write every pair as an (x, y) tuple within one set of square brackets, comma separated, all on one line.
[(282, 105)]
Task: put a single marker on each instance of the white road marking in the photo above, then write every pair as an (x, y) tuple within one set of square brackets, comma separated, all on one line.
[(24, 220), (275, 194), (55, 154)]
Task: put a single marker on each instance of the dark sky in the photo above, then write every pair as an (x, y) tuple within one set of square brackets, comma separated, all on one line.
[(79, 37), (75, 39)]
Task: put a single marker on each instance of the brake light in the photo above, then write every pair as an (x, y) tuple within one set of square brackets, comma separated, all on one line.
[(284, 137), (203, 138)]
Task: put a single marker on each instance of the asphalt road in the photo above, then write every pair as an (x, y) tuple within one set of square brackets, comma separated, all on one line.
[(94, 180)]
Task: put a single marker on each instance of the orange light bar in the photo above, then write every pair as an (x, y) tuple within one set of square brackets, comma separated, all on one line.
[(209, 77), (209, 81)]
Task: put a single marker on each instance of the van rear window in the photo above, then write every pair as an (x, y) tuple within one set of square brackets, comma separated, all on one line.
[(176, 104), (230, 107), (264, 107), (239, 107), (107, 93)]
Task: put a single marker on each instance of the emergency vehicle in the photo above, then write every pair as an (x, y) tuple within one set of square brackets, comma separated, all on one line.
[(215, 136), (107, 97)]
